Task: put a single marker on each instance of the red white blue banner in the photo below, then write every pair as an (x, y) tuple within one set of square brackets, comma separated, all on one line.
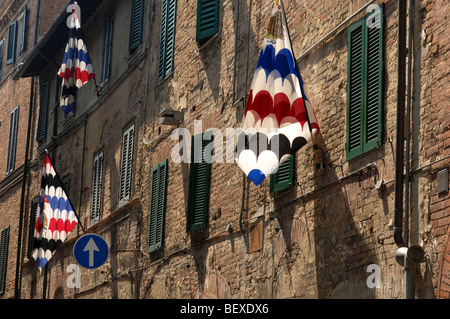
[(278, 118), (56, 217), (76, 68)]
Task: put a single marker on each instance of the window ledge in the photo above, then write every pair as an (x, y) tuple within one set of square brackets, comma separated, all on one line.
[(204, 45), (164, 79)]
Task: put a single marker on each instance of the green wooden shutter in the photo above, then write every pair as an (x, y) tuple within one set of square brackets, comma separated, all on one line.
[(199, 183), (97, 173), (126, 164), (157, 206), (33, 217), (12, 144), (162, 41), (12, 43), (365, 84), (167, 38), (170, 38), (107, 49), (207, 19), (1, 57), (4, 243), (23, 44), (355, 89), (374, 93), (137, 22), (284, 178), (43, 112)]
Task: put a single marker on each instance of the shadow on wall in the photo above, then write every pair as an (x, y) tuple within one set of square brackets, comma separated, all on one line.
[(345, 241), (344, 236)]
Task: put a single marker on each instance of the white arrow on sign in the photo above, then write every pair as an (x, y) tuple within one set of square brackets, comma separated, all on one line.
[(91, 247)]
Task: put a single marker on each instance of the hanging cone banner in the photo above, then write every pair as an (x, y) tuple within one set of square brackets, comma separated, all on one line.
[(56, 217), (278, 118)]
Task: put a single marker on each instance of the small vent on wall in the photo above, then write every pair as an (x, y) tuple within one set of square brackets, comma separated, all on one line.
[(442, 181)]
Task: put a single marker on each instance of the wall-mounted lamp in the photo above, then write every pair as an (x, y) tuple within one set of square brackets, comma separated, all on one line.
[(170, 117)]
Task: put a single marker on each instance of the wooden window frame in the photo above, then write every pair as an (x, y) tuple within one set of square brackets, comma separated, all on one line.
[(108, 36), (207, 20), (2, 46), (284, 178), (365, 101), (12, 43), (97, 183), (167, 39), (199, 183), (136, 23), (44, 96), (31, 229), (12, 142), (126, 164), (157, 211), (4, 247)]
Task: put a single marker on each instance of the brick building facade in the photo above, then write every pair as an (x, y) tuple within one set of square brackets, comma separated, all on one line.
[(172, 237), (17, 36)]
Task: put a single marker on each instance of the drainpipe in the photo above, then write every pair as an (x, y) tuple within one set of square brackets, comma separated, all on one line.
[(407, 256), (18, 278), (408, 121), (235, 50), (401, 90)]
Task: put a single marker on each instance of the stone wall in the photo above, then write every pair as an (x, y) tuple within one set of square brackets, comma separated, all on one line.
[(334, 226), (316, 240), (14, 94)]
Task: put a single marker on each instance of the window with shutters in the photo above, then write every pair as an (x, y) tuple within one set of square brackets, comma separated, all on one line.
[(365, 84), (43, 112), (1, 56), (12, 43), (126, 166), (33, 217), (137, 22), (58, 88), (97, 172), (107, 49), (167, 38), (24, 30), (284, 178), (12, 143), (199, 182), (4, 243), (157, 206), (207, 20)]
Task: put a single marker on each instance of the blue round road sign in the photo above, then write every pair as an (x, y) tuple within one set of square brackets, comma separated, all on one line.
[(91, 251)]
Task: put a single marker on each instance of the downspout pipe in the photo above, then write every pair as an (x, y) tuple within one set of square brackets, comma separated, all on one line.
[(400, 130), (236, 35), (410, 263), (407, 256), (408, 120), (17, 281)]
